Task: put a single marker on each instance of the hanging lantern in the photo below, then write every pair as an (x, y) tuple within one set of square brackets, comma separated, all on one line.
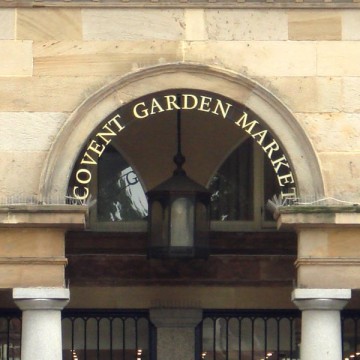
[(179, 215)]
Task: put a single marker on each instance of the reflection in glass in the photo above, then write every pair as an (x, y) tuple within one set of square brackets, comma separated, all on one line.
[(120, 194)]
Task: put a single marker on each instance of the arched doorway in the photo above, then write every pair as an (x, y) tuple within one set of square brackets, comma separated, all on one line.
[(250, 267)]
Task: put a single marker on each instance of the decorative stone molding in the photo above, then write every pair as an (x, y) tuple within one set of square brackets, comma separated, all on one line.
[(183, 4)]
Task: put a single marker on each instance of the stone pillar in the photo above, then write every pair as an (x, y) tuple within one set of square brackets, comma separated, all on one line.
[(41, 337), (175, 332), (320, 322)]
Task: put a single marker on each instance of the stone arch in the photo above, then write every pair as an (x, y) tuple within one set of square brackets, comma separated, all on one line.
[(275, 115)]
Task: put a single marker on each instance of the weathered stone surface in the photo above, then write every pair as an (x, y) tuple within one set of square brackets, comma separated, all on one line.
[(351, 94), (307, 94), (7, 24), (256, 58), (16, 58), (350, 25), (231, 24), (20, 172), (332, 131), (126, 24), (341, 173), (104, 57), (48, 24), (338, 58), (32, 131), (195, 24), (47, 94), (314, 25), (31, 242)]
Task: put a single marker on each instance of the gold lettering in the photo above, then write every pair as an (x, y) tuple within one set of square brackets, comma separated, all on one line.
[(205, 101), (220, 105), (143, 112), (261, 135), (87, 176), (248, 127), (78, 196), (116, 122), (290, 194), (87, 159), (103, 134), (278, 162), (273, 146), (94, 146), (286, 179), (171, 103), (186, 105), (155, 105)]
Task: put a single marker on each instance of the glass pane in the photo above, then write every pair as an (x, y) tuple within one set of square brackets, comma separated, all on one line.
[(232, 186), (120, 194)]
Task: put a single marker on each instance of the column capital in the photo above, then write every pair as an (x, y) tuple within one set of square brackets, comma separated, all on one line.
[(321, 299), (185, 318), (41, 298)]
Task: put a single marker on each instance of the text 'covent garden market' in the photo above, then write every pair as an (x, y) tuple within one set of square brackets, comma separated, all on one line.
[(179, 180)]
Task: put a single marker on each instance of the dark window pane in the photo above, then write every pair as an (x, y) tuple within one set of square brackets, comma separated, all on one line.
[(232, 186), (120, 194)]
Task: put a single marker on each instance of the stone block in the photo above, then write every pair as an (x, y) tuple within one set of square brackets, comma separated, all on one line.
[(335, 58), (257, 58), (341, 172), (244, 24), (16, 58), (332, 131), (101, 58), (351, 94), (195, 28), (307, 94), (132, 24), (25, 275), (31, 131), (350, 24), (7, 24), (47, 93), (314, 25), (48, 24), (20, 173), (32, 243)]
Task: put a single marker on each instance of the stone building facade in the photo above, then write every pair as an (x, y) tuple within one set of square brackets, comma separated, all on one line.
[(69, 68)]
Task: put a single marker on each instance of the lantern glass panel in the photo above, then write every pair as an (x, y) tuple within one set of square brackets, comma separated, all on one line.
[(182, 222)]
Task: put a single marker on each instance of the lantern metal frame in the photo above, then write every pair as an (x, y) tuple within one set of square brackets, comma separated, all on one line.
[(179, 212)]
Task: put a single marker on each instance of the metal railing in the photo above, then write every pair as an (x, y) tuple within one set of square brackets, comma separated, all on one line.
[(222, 335), (107, 335), (249, 335)]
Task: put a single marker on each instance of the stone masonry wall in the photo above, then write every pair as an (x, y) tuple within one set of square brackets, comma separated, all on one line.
[(52, 59)]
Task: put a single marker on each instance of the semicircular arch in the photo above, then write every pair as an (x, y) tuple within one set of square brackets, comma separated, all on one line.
[(91, 113)]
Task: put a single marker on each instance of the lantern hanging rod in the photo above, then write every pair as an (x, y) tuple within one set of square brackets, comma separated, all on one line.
[(179, 158)]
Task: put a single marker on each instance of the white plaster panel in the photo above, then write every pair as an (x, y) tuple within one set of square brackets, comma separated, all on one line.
[(338, 58), (29, 131), (351, 24), (243, 24), (332, 131), (16, 58), (7, 24), (257, 58), (110, 24)]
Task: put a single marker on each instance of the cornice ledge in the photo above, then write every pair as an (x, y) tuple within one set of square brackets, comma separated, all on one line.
[(314, 261), (211, 4)]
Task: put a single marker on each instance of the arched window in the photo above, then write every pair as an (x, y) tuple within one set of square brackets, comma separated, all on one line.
[(240, 189)]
